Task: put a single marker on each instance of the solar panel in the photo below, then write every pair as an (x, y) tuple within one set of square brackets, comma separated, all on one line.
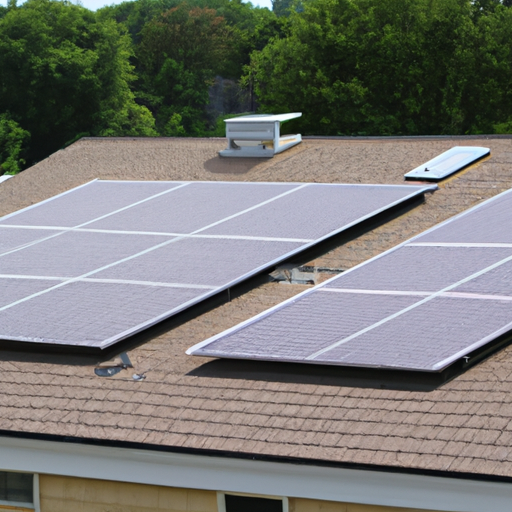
[(101, 262), (447, 163), (420, 306)]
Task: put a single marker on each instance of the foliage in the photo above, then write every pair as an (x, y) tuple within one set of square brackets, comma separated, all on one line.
[(353, 67), (13, 141), (381, 67), (64, 71), (179, 54), (247, 28)]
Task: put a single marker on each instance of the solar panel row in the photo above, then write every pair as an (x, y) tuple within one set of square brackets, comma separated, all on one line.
[(94, 265), (419, 306)]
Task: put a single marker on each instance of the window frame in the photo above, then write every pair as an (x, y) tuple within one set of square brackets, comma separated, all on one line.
[(221, 500), (21, 505)]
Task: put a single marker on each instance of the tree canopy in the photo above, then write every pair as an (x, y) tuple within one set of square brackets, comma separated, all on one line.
[(178, 67), (383, 67), (65, 71)]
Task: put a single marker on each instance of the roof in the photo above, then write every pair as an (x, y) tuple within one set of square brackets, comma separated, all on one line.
[(263, 410)]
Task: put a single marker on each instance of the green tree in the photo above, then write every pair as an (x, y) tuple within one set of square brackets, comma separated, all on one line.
[(180, 53), (64, 71), (250, 29), (13, 141), (382, 67)]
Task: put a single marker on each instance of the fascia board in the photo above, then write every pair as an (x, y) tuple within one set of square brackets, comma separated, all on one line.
[(253, 477)]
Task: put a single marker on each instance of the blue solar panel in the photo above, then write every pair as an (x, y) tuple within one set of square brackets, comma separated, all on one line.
[(420, 306), (103, 261)]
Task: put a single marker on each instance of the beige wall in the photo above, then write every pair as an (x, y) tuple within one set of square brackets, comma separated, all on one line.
[(67, 494), (301, 505)]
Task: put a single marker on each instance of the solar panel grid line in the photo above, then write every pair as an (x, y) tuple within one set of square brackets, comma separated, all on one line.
[(21, 276), (458, 244), (477, 296), (375, 292), (409, 308), (42, 228), (65, 230), (140, 253), (447, 292), (159, 233), (149, 283), (85, 278), (461, 295), (118, 281)]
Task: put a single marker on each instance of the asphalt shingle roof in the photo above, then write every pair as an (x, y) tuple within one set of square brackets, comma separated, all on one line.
[(464, 425)]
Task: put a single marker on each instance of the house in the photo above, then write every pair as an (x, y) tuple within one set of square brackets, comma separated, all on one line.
[(205, 435)]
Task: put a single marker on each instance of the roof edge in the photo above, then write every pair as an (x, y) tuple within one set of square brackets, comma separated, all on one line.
[(211, 471), (408, 137), (225, 454)]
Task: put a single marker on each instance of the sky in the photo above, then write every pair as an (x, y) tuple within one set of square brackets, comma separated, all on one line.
[(96, 4)]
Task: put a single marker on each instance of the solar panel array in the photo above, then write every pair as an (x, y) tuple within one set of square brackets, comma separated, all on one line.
[(420, 306), (108, 259), (447, 163)]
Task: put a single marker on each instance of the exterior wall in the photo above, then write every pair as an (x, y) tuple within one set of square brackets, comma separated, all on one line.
[(302, 505), (66, 494)]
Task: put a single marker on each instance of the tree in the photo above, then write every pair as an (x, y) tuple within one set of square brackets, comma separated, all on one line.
[(382, 67), (65, 71), (180, 53), (13, 140)]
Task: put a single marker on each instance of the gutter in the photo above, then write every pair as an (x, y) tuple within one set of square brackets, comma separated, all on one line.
[(140, 465)]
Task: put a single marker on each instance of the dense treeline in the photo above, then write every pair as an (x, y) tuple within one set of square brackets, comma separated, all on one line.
[(382, 67), (178, 67)]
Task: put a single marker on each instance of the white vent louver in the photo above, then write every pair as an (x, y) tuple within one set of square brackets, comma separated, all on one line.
[(258, 135)]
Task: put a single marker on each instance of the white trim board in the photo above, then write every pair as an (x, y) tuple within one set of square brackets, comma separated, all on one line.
[(253, 477)]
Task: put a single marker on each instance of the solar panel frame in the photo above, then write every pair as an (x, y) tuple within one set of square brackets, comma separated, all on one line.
[(201, 349), (410, 192)]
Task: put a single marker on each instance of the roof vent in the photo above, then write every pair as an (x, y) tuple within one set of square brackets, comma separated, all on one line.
[(258, 135), (5, 177), (447, 163)]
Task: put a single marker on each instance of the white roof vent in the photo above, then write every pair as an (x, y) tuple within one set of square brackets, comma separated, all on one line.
[(5, 177), (447, 163), (258, 135)]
